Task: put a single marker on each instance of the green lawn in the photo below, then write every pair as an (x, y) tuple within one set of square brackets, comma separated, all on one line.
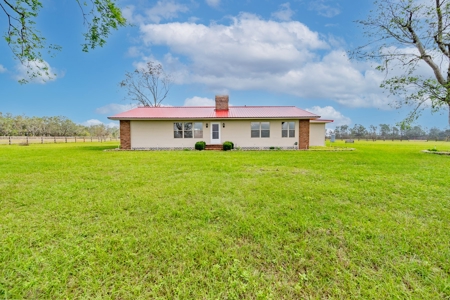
[(80, 222)]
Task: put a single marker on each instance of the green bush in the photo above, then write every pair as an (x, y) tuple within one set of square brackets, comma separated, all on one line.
[(232, 144), (227, 146), (200, 145)]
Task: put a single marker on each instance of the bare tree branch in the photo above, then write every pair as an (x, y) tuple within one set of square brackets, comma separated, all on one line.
[(148, 86)]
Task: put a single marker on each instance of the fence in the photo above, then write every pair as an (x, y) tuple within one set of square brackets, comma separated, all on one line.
[(15, 140)]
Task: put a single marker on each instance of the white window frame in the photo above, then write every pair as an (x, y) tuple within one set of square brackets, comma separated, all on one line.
[(260, 130), (288, 130), (183, 130)]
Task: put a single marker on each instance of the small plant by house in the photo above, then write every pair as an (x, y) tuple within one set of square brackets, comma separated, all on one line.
[(200, 145), (228, 145)]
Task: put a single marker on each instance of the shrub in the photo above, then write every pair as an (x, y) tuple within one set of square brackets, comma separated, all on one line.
[(200, 145), (232, 144), (227, 146)]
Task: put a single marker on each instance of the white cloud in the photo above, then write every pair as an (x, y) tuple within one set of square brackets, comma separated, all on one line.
[(285, 12), (249, 44), (199, 101), (163, 10), (213, 3), (93, 122), (252, 53), (114, 108), (329, 113), (2, 69), (324, 9), (134, 52), (36, 72), (255, 54)]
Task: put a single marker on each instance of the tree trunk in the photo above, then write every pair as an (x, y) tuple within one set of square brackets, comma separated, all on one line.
[(448, 114)]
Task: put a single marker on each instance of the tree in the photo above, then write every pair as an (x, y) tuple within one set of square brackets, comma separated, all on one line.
[(344, 131), (406, 34), (147, 85), (373, 132), (26, 42), (433, 134), (358, 131), (384, 130)]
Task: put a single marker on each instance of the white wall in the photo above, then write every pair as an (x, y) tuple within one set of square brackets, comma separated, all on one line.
[(146, 134), (239, 132), (317, 134)]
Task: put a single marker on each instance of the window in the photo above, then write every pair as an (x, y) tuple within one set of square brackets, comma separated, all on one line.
[(288, 129), (260, 129), (198, 130), (188, 130), (255, 129), (178, 130)]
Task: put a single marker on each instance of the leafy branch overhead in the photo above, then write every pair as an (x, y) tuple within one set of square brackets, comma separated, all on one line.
[(28, 44), (148, 85), (406, 37)]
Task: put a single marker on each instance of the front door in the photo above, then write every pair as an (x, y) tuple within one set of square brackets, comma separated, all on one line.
[(215, 133)]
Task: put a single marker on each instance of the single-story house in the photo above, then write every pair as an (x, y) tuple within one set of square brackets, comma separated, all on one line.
[(248, 127)]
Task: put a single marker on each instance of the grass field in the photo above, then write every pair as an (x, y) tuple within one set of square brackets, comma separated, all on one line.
[(80, 222)]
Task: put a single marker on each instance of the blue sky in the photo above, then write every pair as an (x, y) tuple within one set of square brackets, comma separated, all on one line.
[(260, 52)]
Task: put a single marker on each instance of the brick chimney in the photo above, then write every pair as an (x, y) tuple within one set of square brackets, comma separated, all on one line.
[(221, 102)]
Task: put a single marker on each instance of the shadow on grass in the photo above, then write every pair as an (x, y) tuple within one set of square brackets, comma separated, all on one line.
[(99, 148)]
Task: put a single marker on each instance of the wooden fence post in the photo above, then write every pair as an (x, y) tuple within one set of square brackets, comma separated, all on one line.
[(54, 139), (42, 139), (10, 140), (27, 139), (75, 139)]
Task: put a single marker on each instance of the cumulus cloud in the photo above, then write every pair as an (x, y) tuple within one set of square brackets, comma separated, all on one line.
[(162, 10), (330, 113), (36, 72), (324, 9), (285, 12), (255, 54), (93, 122), (114, 108), (2, 69), (248, 46), (213, 3), (199, 101)]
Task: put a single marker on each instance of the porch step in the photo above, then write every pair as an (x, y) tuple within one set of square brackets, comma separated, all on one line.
[(213, 147)]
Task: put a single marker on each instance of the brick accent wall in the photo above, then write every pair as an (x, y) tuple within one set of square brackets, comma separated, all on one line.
[(125, 134), (222, 102), (303, 131)]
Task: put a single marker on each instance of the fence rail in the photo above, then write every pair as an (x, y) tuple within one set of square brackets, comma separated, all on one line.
[(24, 140)]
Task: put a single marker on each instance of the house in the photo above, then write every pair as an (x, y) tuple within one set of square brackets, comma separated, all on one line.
[(248, 127)]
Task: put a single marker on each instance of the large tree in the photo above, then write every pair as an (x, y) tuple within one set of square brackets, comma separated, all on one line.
[(27, 43), (404, 37), (147, 85)]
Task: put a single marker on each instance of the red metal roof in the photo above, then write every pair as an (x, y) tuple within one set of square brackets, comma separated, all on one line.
[(209, 112)]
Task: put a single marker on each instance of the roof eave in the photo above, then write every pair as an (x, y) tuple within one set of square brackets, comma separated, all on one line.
[(214, 118)]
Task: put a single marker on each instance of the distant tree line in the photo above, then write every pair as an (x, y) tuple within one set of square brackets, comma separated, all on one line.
[(390, 132), (20, 125)]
